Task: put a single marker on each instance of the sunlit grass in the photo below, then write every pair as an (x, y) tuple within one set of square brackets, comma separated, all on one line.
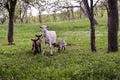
[(17, 62)]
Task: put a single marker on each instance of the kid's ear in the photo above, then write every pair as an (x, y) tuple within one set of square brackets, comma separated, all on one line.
[(40, 27), (32, 39), (40, 35), (36, 35)]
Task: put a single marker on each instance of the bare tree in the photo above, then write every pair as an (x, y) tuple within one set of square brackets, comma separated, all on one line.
[(104, 5), (10, 6), (23, 10), (90, 13), (40, 5), (81, 8), (55, 7), (27, 6), (84, 10), (67, 5)]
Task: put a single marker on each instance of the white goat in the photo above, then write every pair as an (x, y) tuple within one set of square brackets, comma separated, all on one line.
[(49, 37)]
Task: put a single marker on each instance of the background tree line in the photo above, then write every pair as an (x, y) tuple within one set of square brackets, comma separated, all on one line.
[(57, 10)]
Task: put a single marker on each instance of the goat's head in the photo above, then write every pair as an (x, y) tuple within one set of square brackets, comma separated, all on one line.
[(34, 41), (39, 36), (44, 28)]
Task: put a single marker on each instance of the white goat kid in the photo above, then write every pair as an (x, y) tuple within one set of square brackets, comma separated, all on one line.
[(61, 45), (49, 37)]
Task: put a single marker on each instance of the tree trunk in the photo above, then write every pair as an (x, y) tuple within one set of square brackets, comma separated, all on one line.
[(40, 17), (72, 14), (54, 17), (11, 28), (113, 26), (27, 20), (92, 22), (68, 14), (87, 12), (10, 6), (95, 21), (26, 17), (21, 19), (92, 34)]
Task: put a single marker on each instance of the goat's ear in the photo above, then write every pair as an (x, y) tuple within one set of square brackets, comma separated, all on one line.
[(40, 35), (36, 35)]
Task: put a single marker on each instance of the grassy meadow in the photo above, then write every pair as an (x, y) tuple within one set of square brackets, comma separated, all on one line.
[(17, 62)]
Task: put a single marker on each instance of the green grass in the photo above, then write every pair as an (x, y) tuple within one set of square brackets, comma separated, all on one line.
[(17, 62)]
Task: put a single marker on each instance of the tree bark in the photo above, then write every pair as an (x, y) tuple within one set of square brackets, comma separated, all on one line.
[(113, 26), (92, 22), (40, 17), (27, 20), (21, 18), (92, 34), (10, 6), (54, 16), (11, 28), (72, 14), (68, 14)]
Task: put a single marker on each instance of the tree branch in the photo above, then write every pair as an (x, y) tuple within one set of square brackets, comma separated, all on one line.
[(87, 7), (69, 6), (95, 3), (7, 6)]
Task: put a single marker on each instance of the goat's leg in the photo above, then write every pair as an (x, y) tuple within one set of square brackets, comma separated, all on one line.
[(50, 46), (54, 50), (34, 52), (64, 47), (61, 48), (40, 48), (58, 49), (44, 47), (37, 50), (32, 47)]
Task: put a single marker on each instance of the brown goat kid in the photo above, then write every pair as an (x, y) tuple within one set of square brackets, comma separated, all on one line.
[(36, 44), (61, 45)]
